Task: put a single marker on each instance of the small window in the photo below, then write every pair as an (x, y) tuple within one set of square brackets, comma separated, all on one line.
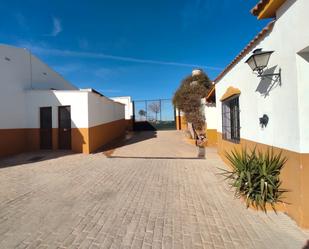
[(230, 119)]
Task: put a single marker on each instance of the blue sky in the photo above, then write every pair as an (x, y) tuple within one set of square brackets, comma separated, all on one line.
[(138, 48)]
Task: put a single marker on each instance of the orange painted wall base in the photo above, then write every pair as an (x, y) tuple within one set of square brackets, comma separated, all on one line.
[(181, 123), (129, 124), (211, 135), (294, 176), (12, 141), (105, 133), (84, 140)]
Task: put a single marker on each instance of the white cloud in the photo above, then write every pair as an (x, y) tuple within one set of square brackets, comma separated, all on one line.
[(68, 68), (97, 72), (70, 53), (57, 27)]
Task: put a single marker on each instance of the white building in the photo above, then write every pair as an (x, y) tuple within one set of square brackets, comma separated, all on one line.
[(40, 109), (126, 100), (246, 102), (210, 109)]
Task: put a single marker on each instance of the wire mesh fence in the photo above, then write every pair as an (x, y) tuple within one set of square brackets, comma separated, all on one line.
[(158, 114)]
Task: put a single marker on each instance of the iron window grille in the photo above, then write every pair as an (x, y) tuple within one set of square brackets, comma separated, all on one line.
[(230, 119)]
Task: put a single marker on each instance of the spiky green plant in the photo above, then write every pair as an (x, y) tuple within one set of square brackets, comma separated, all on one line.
[(255, 176)]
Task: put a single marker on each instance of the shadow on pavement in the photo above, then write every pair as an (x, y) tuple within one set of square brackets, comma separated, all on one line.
[(32, 157), (130, 138), (161, 157)]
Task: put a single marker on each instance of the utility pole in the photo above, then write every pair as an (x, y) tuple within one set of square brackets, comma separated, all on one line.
[(160, 110)]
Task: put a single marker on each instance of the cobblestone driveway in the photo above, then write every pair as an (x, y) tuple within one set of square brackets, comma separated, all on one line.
[(79, 201)]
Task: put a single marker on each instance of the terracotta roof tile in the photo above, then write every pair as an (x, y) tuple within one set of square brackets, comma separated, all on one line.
[(259, 7)]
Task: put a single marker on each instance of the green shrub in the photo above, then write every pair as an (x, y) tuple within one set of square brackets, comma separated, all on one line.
[(255, 177)]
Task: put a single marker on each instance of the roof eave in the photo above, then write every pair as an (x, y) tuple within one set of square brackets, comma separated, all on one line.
[(267, 8), (211, 94)]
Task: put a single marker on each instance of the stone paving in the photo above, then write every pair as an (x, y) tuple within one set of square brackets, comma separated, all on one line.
[(80, 201)]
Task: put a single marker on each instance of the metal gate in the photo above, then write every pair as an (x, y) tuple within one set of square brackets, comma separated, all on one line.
[(158, 114)]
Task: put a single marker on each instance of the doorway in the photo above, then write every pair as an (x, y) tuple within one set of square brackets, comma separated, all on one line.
[(45, 128), (64, 124)]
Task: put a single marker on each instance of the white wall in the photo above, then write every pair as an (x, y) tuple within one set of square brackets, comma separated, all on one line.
[(15, 77), (289, 36), (126, 100), (15, 71), (103, 110), (88, 109), (43, 77), (179, 113), (211, 116), (78, 100), (302, 61)]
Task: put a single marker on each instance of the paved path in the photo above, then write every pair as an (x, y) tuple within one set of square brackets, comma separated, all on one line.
[(79, 201), (152, 144)]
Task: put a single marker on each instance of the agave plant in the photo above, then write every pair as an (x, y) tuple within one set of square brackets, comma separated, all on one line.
[(255, 176)]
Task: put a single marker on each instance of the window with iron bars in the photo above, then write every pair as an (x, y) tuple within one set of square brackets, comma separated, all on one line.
[(230, 119)]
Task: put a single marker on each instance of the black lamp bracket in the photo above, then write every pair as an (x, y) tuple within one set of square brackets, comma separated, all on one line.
[(276, 77)]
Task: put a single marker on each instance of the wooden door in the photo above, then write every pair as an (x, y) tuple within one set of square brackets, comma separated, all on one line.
[(45, 128), (64, 127)]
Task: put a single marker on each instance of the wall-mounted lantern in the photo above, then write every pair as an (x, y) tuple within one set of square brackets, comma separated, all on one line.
[(258, 61)]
